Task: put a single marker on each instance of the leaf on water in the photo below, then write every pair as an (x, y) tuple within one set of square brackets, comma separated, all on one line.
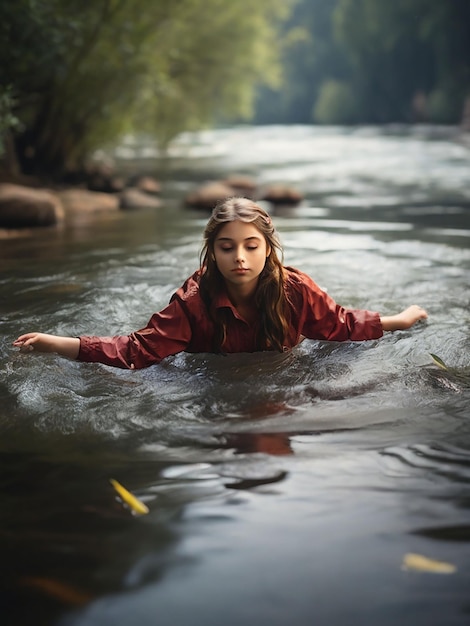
[(138, 507), (64, 592), (438, 361), (420, 563)]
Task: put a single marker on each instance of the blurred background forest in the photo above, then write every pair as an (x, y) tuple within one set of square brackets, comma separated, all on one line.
[(79, 75)]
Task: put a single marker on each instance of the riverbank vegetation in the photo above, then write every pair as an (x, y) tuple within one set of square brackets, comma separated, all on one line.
[(374, 62), (76, 76)]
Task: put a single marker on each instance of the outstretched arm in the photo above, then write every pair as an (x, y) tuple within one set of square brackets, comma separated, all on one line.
[(65, 346), (405, 319)]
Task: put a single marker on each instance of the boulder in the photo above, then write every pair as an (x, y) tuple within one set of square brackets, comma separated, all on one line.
[(26, 207), (101, 177), (83, 201), (242, 185), (208, 195), (133, 198), (147, 184), (106, 184), (282, 195)]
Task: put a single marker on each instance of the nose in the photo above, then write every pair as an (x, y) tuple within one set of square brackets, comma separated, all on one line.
[(239, 256)]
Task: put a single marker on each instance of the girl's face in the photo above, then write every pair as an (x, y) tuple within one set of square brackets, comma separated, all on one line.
[(240, 251)]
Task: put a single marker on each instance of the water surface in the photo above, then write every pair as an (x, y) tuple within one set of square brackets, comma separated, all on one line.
[(282, 488)]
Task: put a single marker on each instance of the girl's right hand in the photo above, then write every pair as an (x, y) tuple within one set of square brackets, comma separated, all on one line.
[(35, 341), (40, 342)]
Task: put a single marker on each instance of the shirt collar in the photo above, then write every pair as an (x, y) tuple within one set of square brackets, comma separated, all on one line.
[(222, 301)]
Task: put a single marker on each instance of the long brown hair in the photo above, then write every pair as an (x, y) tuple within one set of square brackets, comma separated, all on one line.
[(270, 297)]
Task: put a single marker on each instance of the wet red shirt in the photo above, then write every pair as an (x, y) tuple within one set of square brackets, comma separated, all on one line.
[(184, 325)]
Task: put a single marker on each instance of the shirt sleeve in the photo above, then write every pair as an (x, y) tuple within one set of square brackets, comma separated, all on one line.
[(167, 332), (322, 318)]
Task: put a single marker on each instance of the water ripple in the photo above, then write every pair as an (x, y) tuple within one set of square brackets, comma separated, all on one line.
[(445, 460)]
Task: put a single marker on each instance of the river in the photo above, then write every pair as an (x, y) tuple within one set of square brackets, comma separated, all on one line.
[(281, 488)]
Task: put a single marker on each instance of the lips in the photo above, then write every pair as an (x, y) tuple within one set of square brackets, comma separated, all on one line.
[(240, 271)]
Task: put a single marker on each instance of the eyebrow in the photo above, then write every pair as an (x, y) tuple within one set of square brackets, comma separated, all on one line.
[(246, 239)]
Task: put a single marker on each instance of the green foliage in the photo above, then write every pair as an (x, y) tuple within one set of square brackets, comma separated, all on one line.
[(76, 75), (336, 104), (404, 60), (310, 57), (442, 108), (85, 72), (216, 54), (397, 49)]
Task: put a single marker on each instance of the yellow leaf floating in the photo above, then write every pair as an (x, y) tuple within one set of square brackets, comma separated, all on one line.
[(421, 563), (438, 361), (62, 591), (138, 507)]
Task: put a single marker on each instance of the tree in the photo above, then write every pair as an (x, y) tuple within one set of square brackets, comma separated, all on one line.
[(310, 57), (336, 104), (218, 52), (398, 50), (81, 73), (399, 60)]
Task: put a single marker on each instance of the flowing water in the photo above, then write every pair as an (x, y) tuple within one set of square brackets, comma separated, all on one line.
[(282, 488)]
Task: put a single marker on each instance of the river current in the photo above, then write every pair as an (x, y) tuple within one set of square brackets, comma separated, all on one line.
[(281, 488)]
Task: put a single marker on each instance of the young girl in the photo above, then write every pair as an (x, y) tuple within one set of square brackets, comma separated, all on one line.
[(241, 300)]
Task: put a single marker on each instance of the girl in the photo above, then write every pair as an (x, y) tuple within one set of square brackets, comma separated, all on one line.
[(243, 299)]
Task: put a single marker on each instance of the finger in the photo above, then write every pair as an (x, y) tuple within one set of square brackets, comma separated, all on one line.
[(21, 339), (23, 344), (24, 336), (17, 343)]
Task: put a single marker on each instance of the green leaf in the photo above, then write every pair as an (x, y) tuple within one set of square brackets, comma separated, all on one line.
[(438, 361)]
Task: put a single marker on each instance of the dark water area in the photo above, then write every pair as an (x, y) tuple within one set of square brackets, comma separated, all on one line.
[(281, 488)]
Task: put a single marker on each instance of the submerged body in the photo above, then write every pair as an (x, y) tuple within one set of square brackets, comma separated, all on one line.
[(184, 325), (241, 300)]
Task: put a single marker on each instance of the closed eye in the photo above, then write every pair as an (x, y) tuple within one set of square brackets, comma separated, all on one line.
[(230, 248)]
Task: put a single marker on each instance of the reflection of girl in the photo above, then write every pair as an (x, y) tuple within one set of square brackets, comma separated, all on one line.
[(241, 300)]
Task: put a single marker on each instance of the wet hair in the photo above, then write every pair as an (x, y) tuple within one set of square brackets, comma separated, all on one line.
[(270, 297)]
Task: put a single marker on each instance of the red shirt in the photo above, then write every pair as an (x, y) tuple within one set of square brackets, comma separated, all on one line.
[(184, 325)]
